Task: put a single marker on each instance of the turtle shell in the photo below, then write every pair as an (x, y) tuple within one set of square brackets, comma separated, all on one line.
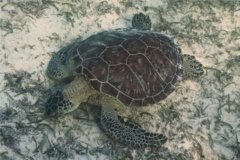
[(136, 67)]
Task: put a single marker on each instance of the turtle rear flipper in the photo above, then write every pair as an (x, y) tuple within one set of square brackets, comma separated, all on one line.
[(141, 21), (127, 132), (192, 69)]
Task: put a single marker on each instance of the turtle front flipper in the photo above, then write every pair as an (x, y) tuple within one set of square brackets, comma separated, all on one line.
[(57, 104), (127, 132), (192, 69), (69, 97)]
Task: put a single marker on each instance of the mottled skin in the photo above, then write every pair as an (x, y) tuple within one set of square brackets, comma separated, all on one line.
[(116, 70)]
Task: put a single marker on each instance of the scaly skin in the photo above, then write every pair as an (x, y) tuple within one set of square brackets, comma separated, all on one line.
[(192, 69), (67, 99), (127, 132)]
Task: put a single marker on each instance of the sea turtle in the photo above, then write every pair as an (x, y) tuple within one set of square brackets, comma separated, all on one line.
[(116, 70)]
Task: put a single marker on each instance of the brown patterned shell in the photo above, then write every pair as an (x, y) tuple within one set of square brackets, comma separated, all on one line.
[(136, 67)]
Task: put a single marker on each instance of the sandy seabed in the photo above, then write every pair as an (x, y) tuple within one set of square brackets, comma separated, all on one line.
[(200, 119)]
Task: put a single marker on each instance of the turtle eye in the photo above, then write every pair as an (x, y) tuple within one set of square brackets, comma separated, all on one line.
[(175, 40)]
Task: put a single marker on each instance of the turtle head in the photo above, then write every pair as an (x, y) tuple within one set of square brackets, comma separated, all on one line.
[(192, 69), (58, 72), (60, 65)]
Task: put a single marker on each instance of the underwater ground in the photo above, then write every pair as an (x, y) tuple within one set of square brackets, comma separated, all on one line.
[(201, 118)]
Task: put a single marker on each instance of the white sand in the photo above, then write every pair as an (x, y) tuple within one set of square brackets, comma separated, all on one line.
[(201, 119)]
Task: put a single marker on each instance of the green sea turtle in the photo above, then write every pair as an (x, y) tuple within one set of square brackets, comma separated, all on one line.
[(117, 70)]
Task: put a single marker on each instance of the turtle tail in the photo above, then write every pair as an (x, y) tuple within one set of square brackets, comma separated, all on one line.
[(127, 132)]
